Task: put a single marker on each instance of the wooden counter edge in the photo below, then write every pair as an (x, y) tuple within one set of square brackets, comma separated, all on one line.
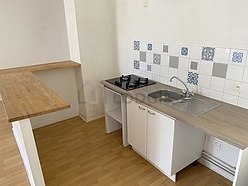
[(42, 67)]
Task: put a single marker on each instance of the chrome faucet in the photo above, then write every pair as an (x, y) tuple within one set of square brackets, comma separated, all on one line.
[(185, 91)]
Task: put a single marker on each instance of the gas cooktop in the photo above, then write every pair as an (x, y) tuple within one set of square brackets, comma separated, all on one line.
[(130, 82)]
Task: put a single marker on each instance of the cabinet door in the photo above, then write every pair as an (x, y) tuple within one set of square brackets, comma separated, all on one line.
[(136, 126), (160, 134)]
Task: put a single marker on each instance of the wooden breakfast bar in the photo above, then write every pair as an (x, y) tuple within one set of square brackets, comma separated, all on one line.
[(25, 96)]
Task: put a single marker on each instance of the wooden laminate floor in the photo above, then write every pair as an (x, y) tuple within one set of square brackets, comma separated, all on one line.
[(12, 171), (76, 153)]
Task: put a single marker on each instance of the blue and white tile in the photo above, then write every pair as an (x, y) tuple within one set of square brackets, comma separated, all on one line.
[(216, 95), (243, 102), (156, 77), (174, 50), (157, 48), (231, 99), (238, 57), (193, 78), (203, 91), (136, 55), (149, 47), (217, 84), (165, 59), (183, 64), (195, 52), (149, 68), (143, 46), (164, 71), (208, 53), (206, 67), (244, 92), (184, 51), (149, 57), (204, 81), (221, 55), (229, 87), (157, 59), (136, 64), (142, 66), (156, 69), (245, 75), (136, 45), (234, 72)]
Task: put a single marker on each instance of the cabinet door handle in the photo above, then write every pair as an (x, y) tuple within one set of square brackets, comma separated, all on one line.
[(141, 108), (152, 113)]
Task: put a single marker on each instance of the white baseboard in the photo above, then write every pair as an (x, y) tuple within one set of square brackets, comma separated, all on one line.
[(216, 169)]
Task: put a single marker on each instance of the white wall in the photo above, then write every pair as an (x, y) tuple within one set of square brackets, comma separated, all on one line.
[(191, 22), (32, 32), (97, 43)]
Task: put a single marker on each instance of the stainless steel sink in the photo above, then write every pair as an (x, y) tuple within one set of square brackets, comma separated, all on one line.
[(192, 105), (165, 95)]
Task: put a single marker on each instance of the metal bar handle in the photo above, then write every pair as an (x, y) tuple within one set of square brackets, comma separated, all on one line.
[(152, 113), (141, 108)]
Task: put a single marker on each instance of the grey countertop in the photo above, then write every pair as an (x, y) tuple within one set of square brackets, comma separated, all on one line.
[(226, 122)]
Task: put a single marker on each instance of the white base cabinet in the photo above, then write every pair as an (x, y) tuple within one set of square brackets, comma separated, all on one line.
[(168, 144)]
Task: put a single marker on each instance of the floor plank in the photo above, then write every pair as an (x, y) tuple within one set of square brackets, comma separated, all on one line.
[(74, 152)]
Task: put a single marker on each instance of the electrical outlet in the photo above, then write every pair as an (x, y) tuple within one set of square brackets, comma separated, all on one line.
[(217, 143), (145, 3), (237, 87)]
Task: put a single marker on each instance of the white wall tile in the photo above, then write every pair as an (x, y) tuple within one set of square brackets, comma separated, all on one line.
[(165, 60), (136, 55), (174, 49), (231, 99), (156, 69), (229, 87), (206, 67), (142, 66), (192, 88), (164, 71), (215, 95), (221, 55), (245, 75), (149, 57), (148, 75), (183, 63), (234, 72), (142, 73), (204, 81), (244, 93), (143, 46), (136, 72), (242, 102), (164, 80), (156, 77), (157, 48), (203, 91), (195, 52), (217, 84)]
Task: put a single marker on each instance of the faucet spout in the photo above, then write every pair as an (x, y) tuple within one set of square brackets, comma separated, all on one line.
[(186, 92)]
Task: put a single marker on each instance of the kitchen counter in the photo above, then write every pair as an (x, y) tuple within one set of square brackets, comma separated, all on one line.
[(226, 122), (25, 96)]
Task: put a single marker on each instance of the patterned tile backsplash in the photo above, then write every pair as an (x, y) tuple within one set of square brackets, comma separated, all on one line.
[(209, 71)]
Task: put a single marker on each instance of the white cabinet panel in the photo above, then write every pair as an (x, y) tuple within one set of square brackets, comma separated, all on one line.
[(136, 126)]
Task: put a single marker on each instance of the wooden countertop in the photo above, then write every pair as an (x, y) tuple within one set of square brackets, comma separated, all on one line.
[(42, 67), (25, 96), (226, 122)]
